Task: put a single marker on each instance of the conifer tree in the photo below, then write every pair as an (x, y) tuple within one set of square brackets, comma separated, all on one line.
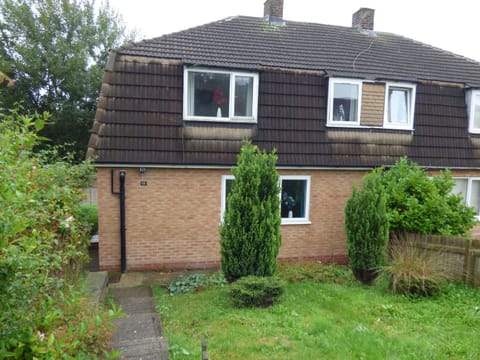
[(250, 233), (367, 229)]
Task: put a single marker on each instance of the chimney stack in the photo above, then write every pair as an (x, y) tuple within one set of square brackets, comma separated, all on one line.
[(273, 12), (363, 19)]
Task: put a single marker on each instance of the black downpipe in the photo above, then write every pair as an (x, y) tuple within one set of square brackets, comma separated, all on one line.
[(123, 237)]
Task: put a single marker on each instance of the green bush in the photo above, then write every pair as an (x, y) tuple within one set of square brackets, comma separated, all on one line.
[(250, 233), (366, 226), (89, 215), (411, 269), (424, 204), (256, 291), (43, 246)]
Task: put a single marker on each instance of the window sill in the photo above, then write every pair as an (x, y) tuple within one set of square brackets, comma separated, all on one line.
[(221, 120), (295, 222)]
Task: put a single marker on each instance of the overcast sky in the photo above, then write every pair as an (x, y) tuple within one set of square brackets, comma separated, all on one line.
[(450, 25)]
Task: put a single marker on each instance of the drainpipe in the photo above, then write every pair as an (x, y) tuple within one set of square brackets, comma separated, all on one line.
[(123, 237)]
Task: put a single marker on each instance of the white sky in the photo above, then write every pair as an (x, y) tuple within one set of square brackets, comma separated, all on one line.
[(450, 25)]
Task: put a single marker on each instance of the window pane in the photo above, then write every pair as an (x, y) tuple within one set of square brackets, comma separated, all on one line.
[(208, 94), (398, 105), (345, 102), (476, 111), (243, 95), (228, 188), (293, 198), (475, 196), (460, 187)]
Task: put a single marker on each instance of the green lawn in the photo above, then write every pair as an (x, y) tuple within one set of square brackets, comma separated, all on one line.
[(325, 320)]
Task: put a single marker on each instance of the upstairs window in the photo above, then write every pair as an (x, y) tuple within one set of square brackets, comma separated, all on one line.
[(399, 106), (473, 103), (220, 95), (344, 102)]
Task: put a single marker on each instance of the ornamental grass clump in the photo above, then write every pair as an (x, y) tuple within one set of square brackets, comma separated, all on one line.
[(412, 269), (256, 291)]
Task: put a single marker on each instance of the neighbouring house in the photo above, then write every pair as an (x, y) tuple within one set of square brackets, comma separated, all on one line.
[(334, 101)]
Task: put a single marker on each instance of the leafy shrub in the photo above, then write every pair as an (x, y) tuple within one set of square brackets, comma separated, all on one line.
[(366, 226), (89, 215), (42, 248), (250, 233), (413, 270), (419, 203), (191, 283), (256, 291)]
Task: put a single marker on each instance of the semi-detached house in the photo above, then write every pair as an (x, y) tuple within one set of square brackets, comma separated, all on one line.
[(334, 101)]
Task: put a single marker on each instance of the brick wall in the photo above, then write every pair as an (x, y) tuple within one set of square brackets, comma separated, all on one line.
[(373, 103), (173, 221)]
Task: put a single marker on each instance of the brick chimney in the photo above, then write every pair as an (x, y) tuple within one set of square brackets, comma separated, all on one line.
[(363, 19), (273, 11)]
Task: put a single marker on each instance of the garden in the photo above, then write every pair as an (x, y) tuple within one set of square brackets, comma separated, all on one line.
[(323, 313), (394, 301)]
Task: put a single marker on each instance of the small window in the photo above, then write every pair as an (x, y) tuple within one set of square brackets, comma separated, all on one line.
[(220, 95), (344, 102), (399, 106), (473, 103), (294, 198), (469, 189)]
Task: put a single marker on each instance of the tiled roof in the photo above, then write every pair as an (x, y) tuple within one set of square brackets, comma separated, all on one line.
[(250, 43)]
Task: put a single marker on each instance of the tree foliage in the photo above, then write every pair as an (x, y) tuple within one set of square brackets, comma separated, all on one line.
[(42, 247), (56, 51), (424, 204), (250, 232), (366, 226)]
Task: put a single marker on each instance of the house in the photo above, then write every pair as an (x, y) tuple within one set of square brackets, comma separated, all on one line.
[(334, 101)]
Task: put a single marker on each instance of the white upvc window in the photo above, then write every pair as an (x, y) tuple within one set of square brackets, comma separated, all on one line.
[(473, 104), (220, 95), (294, 198), (469, 188), (344, 102), (399, 106)]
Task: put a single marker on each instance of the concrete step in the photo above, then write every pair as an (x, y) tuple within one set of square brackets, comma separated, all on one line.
[(155, 348)]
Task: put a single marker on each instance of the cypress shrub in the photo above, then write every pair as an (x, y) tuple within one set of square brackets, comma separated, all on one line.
[(250, 233), (256, 291), (366, 226)]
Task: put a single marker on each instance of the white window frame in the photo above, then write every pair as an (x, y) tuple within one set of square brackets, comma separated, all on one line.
[(472, 96), (411, 88), (331, 86), (470, 180), (231, 117), (285, 221), (306, 218)]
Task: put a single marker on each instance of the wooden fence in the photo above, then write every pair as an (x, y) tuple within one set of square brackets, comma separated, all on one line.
[(459, 256)]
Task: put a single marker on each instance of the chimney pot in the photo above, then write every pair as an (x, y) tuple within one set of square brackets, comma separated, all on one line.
[(273, 11), (363, 19)]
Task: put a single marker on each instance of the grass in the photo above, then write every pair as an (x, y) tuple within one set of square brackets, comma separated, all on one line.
[(324, 313)]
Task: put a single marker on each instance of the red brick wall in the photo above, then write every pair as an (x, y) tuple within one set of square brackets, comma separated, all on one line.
[(173, 221)]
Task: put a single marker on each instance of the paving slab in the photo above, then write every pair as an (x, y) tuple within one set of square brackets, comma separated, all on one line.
[(139, 334)]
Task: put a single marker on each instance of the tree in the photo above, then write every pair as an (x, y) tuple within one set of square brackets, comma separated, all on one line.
[(250, 233), (424, 204), (56, 51), (366, 226)]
